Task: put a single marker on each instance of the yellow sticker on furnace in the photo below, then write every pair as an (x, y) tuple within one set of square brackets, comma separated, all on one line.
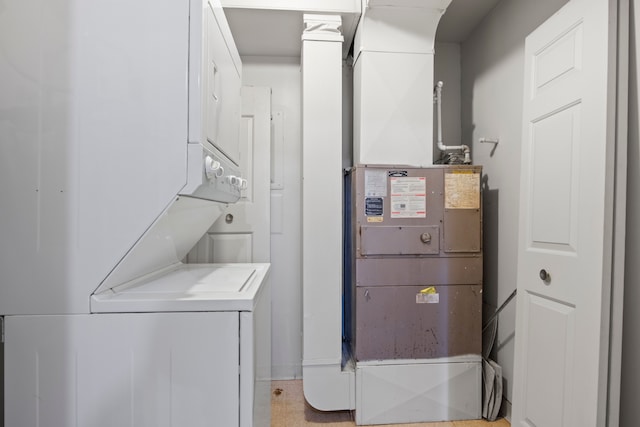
[(429, 290)]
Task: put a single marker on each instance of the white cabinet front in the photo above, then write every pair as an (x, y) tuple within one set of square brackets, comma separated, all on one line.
[(146, 370)]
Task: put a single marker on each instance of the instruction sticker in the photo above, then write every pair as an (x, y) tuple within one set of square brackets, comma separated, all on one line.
[(408, 197), (462, 190), (373, 206), (428, 296), (375, 183)]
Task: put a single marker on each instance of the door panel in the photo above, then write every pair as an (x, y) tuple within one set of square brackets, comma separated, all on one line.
[(222, 83), (554, 187), (551, 325), (242, 233), (565, 238), (560, 57)]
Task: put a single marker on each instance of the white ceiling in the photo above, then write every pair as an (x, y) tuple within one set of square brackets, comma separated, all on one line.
[(462, 17), (261, 32), (277, 32)]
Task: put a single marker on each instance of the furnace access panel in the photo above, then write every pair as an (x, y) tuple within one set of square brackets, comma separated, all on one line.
[(416, 262)]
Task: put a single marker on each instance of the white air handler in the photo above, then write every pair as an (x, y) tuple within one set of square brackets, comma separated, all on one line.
[(119, 149)]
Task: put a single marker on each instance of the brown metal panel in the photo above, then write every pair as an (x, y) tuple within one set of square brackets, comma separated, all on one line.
[(391, 318), (434, 196), (407, 271), (399, 240), (401, 322), (462, 210), (462, 230)]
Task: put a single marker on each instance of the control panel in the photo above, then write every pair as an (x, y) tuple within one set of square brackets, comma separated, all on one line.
[(213, 176), (417, 211)]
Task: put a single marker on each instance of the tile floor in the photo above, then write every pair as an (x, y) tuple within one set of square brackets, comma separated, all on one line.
[(289, 409)]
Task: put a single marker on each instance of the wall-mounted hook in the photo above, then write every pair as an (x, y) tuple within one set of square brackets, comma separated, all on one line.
[(489, 140)]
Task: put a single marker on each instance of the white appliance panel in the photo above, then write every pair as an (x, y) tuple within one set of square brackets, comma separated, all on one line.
[(255, 361), (209, 361), (212, 176), (439, 390), (216, 72), (94, 147), (187, 287), (147, 370), (90, 140), (393, 108), (167, 241)]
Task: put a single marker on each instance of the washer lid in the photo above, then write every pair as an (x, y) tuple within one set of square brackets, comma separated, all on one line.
[(166, 242), (187, 287)]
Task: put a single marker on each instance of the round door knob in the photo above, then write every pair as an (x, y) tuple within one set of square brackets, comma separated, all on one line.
[(544, 275), (425, 237)]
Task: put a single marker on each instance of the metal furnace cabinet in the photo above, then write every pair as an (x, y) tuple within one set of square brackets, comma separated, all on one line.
[(413, 292)]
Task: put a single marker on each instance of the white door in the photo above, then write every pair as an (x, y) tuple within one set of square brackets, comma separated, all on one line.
[(242, 233), (565, 233)]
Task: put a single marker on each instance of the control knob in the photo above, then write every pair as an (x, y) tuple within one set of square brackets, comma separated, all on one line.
[(212, 168), (236, 181)]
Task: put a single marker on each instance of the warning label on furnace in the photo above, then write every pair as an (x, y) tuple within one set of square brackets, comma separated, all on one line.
[(462, 190), (427, 298), (408, 197), (375, 183), (373, 206)]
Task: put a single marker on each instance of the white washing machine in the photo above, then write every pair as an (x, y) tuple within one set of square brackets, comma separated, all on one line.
[(185, 347)]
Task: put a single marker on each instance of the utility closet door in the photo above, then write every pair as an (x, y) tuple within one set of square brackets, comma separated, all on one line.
[(566, 214), (243, 233)]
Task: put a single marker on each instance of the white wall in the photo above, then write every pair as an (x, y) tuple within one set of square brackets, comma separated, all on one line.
[(492, 87), (630, 383), (282, 75)]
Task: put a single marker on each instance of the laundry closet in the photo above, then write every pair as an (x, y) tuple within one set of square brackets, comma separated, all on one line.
[(483, 74), (139, 231)]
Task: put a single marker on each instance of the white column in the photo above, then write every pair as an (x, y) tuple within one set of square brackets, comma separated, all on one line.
[(326, 387)]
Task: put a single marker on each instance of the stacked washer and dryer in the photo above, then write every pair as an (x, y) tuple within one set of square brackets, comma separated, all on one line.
[(119, 149)]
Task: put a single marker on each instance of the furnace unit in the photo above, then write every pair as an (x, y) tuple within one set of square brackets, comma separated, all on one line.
[(413, 292)]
